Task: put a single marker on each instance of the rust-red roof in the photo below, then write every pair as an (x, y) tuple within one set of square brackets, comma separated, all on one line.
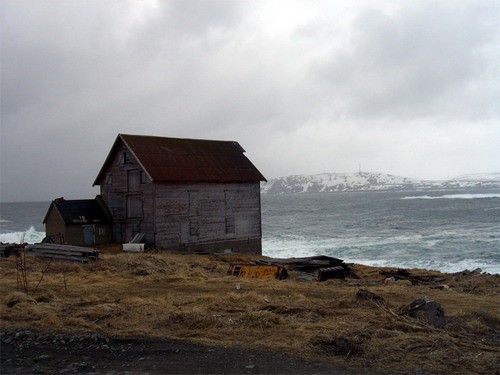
[(188, 160)]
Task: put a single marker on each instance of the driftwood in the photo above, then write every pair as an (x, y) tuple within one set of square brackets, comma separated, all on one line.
[(322, 267), (370, 296), (402, 274), (306, 264), (337, 272)]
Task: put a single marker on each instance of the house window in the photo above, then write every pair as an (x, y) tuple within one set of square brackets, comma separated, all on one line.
[(133, 178), (124, 158), (229, 200), (109, 179), (229, 207), (134, 207), (143, 177), (193, 202), (194, 228), (230, 225)]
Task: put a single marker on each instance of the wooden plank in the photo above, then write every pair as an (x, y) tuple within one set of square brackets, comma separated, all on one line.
[(66, 252)]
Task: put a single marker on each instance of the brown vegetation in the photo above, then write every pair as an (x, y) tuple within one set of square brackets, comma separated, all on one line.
[(191, 297)]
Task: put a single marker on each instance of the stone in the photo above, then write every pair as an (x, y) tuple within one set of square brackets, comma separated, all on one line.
[(426, 309)]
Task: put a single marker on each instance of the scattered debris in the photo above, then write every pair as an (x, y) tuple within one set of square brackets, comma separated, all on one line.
[(8, 249), (55, 238), (402, 274), (319, 267), (138, 238), (474, 272), (63, 252), (441, 287), (366, 294), (426, 309), (336, 272), (136, 244)]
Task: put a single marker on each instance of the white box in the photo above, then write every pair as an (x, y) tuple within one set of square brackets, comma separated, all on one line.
[(133, 247)]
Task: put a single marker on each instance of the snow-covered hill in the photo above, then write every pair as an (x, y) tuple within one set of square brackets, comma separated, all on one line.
[(367, 181)]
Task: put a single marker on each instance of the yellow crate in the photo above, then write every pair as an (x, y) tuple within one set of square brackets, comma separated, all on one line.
[(259, 271)]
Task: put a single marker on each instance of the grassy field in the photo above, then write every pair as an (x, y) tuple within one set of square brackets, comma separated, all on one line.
[(192, 297)]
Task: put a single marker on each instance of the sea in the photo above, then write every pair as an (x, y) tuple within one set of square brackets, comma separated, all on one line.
[(449, 231)]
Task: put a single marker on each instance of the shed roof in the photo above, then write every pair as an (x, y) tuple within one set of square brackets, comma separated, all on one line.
[(187, 160), (79, 211)]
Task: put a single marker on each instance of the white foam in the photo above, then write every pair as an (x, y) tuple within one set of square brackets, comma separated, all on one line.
[(29, 236), (431, 264), (455, 196), (379, 252)]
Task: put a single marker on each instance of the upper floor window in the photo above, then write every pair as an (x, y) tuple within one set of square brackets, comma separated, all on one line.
[(143, 177), (133, 180), (124, 158)]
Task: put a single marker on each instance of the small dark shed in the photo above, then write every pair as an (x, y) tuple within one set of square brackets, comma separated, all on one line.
[(82, 222)]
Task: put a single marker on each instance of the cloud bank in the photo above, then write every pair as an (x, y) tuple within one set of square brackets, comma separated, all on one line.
[(408, 88)]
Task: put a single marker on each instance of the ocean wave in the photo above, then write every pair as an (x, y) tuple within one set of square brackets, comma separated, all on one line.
[(455, 196), (405, 251), (5, 221), (395, 259), (30, 236)]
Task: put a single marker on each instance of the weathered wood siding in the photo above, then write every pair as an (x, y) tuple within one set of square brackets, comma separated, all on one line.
[(54, 224), (129, 195), (102, 233), (73, 233), (208, 217)]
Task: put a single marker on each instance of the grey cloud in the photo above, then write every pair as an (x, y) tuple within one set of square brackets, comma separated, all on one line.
[(420, 62)]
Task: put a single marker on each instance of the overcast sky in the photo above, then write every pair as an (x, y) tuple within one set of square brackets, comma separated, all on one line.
[(410, 88)]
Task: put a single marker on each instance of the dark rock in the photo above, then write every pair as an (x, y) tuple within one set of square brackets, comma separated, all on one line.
[(426, 309), (366, 294)]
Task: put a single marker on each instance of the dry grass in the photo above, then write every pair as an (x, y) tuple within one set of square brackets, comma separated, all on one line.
[(190, 296)]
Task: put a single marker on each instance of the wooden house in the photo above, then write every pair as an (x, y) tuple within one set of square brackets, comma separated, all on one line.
[(83, 222), (183, 194)]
